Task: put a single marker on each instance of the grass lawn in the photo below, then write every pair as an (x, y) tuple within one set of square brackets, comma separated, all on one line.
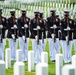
[(51, 65)]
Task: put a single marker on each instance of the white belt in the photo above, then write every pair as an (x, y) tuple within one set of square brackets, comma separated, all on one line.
[(12, 27), (35, 29), (66, 29), (51, 27), (22, 27)]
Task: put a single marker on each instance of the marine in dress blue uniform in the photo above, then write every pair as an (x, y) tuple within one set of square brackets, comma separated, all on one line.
[(3, 28), (36, 27), (23, 27), (12, 33), (52, 34), (67, 26), (43, 30), (74, 38)]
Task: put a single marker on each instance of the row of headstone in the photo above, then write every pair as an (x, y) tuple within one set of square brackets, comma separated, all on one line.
[(30, 13), (45, 7), (42, 67), (19, 65), (68, 69), (42, 4), (36, 3), (30, 9)]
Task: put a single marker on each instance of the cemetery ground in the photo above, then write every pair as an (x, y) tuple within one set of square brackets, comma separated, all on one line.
[(51, 65)]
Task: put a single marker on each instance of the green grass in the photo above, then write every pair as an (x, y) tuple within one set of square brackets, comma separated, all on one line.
[(51, 65)]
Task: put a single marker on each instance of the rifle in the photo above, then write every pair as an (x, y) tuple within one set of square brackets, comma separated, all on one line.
[(25, 27), (1, 26), (68, 31), (38, 28), (15, 27), (54, 27), (42, 37)]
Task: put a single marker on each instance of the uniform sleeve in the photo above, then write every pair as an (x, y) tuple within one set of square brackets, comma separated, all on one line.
[(47, 24), (31, 26), (4, 24), (61, 25), (8, 25), (58, 22), (19, 25), (72, 24), (28, 24), (42, 26)]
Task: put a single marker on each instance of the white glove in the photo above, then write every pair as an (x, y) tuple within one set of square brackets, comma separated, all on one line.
[(59, 31), (23, 37), (0, 37), (6, 32), (36, 37), (1, 26), (38, 27), (66, 38), (54, 26), (13, 36), (15, 26), (26, 26), (52, 35), (68, 28)]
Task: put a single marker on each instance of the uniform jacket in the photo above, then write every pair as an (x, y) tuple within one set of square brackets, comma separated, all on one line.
[(50, 22), (64, 25), (3, 22), (20, 23), (33, 26), (11, 21)]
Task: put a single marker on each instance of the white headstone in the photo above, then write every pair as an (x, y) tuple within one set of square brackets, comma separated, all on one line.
[(65, 6), (53, 5), (18, 55), (2, 67), (45, 4), (56, 5), (59, 63), (8, 58), (30, 61), (62, 5), (68, 70), (71, 6), (74, 62), (59, 5), (44, 57), (19, 68), (42, 69), (68, 6)]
